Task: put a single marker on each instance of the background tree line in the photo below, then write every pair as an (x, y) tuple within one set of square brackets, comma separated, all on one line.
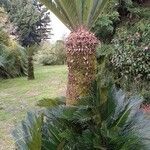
[(124, 30), (31, 22)]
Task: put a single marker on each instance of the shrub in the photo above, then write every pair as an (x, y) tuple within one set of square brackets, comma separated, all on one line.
[(12, 62), (125, 31), (131, 53), (100, 121), (12, 57), (51, 54), (104, 27)]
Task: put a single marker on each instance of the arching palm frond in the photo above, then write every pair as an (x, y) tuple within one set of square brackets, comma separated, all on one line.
[(76, 12)]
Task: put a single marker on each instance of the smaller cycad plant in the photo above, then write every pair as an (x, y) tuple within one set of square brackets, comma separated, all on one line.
[(104, 120)]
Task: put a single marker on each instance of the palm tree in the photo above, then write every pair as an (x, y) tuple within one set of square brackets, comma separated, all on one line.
[(79, 16)]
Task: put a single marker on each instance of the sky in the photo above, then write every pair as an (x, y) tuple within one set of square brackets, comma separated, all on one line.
[(58, 28)]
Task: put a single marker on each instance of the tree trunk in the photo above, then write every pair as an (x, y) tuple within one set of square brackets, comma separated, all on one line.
[(81, 61), (30, 65)]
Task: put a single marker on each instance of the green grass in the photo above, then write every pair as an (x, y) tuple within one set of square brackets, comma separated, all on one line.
[(17, 96)]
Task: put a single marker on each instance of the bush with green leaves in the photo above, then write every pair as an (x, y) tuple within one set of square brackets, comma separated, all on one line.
[(107, 119), (45, 55), (12, 57), (51, 54), (127, 25), (127, 43), (12, 62), (104, 27), (131, 56)]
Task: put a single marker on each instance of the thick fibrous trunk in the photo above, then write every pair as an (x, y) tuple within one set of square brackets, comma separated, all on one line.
[(81, 60), (30, 66)]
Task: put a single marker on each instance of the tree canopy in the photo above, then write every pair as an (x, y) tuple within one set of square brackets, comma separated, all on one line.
[(32, 21)]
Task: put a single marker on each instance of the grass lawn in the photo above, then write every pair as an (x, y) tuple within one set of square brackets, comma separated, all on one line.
[(17, 96)]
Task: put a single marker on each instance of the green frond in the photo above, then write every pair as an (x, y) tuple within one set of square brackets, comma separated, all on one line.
[(28, 135), (58, 11), (48, 102), (76, 12), (88, 125)]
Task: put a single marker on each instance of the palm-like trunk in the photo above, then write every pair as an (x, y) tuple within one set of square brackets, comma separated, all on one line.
[(81, 43), (30, 65), (81, 60)]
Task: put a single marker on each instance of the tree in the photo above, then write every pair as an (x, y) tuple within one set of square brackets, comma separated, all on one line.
[(79, 16), (32, 26)]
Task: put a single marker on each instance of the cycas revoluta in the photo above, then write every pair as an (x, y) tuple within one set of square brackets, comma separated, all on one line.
[(114, 123), (79, 16)]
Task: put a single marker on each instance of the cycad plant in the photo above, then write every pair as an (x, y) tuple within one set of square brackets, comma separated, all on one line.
[(95, 123), (79, 16)]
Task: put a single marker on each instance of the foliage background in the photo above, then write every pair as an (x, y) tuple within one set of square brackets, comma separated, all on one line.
[(125, 32), (51, 54), (12, 55)]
